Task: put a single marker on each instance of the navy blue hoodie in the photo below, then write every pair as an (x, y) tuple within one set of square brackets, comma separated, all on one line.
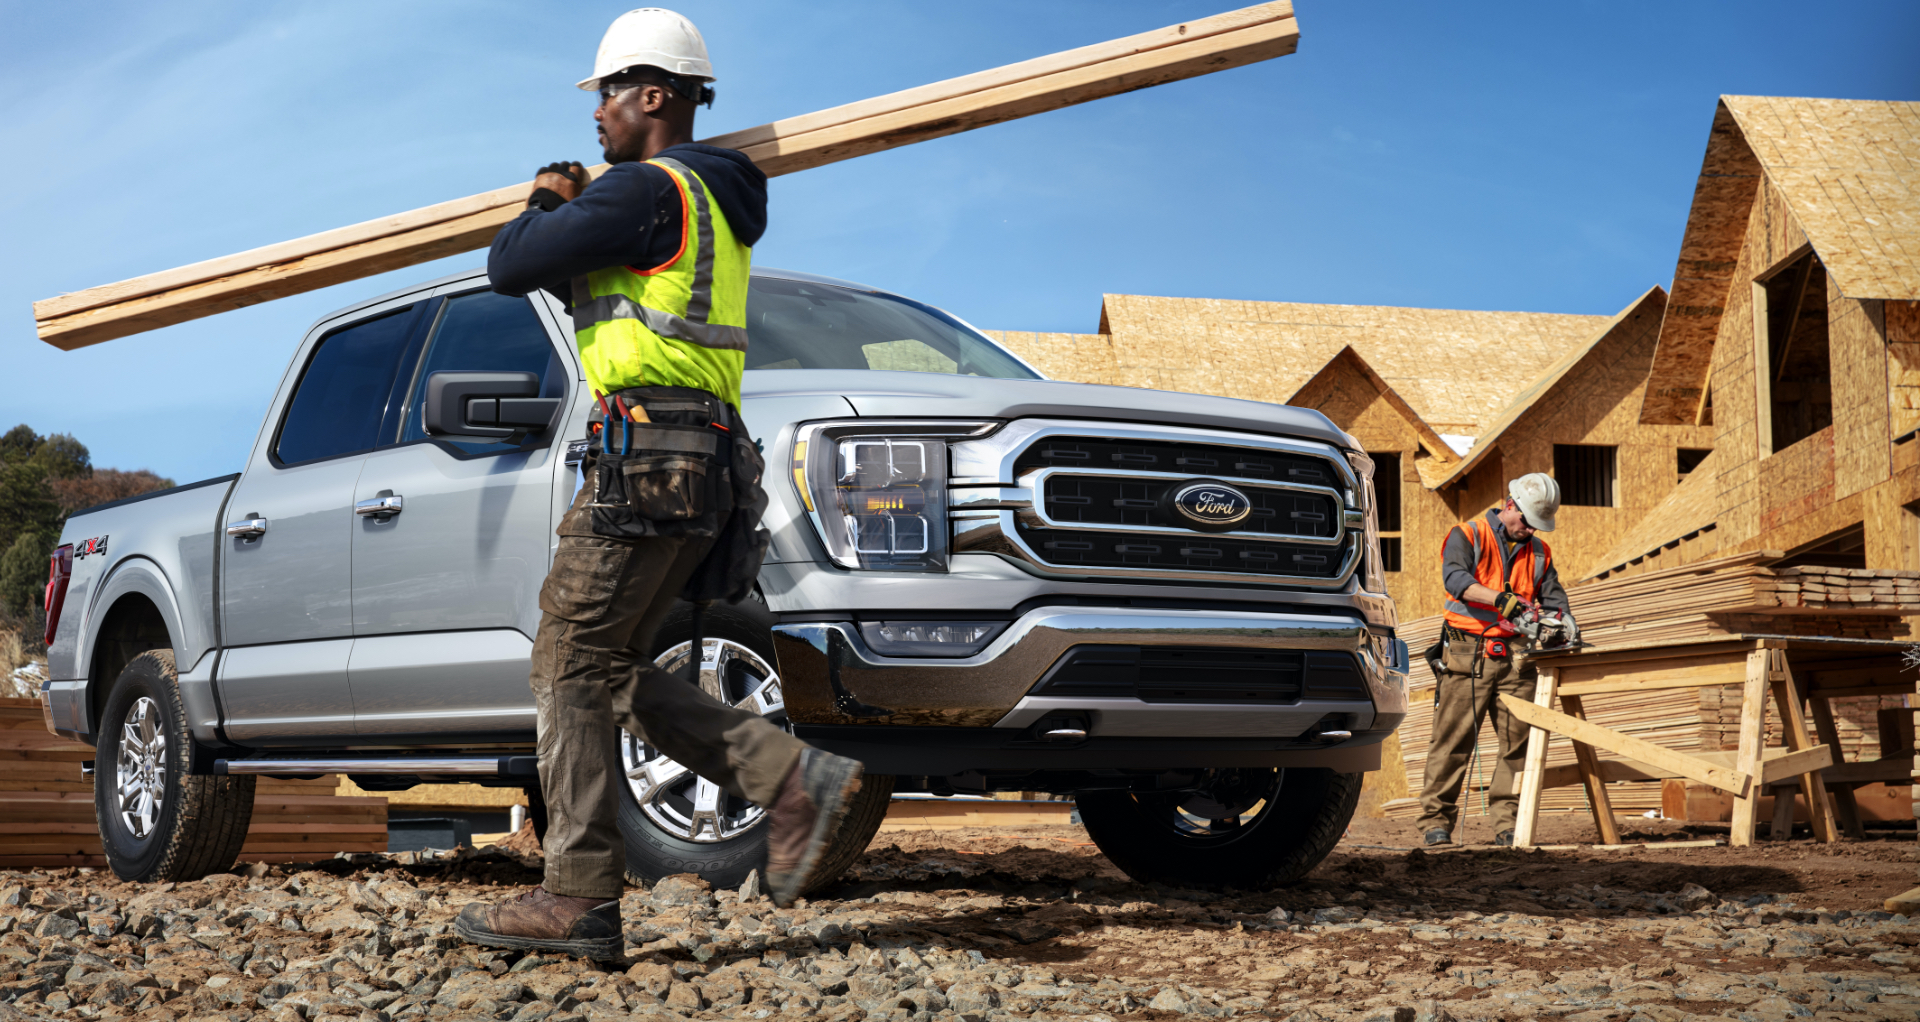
[(629, 216)]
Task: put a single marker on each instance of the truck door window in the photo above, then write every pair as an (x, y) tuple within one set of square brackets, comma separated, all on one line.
[(342, 395), (483, 331)]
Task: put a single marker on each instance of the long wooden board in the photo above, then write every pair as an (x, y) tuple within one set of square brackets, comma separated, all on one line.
[(1177, 52)]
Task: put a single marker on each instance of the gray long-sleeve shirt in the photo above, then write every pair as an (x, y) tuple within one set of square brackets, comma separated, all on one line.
[(1458, 561)]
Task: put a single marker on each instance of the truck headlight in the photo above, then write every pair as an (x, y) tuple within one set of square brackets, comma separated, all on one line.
[(877, 492), (1373, 577)]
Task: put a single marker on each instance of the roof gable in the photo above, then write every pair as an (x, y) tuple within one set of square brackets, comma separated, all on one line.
[(1596, 351), (1452, 367), (1349, 362), (1849, 170)]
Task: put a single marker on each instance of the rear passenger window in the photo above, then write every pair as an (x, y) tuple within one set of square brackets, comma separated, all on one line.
[(342, 396), (484, 332)]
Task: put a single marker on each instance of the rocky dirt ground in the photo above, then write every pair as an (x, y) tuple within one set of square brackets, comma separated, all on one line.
[(994, 924)]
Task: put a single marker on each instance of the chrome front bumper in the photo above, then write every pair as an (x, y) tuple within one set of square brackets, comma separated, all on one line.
[(831, 677)]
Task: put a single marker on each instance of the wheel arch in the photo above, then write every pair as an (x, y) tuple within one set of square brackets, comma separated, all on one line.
[(140, 615)]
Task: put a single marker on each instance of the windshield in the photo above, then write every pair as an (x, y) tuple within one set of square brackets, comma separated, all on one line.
[(794, 324)]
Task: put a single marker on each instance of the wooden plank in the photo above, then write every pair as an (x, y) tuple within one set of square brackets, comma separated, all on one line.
[(1223, 41), (1531, 775), (1591, 777), (1752, 731), (1682, 764), (1843, 797), (1802, 762), (1787, 697)]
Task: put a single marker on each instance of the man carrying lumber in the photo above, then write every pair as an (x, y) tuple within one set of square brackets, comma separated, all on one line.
[(653, 259), (1496, 572)]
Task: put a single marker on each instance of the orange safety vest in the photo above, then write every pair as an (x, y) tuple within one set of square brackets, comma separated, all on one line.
[(1520, 572)]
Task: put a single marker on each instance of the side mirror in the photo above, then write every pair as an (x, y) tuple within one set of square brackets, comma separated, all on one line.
[(493, 405)]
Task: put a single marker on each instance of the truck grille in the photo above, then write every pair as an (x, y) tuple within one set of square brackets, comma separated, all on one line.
[(1178, 674), (1118, 516), (1195, 550), (1104, 500)]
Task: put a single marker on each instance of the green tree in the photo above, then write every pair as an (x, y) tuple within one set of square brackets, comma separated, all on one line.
[(23, 573), (29, 463)]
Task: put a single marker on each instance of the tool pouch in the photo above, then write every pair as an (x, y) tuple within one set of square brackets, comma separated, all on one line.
[(731, 567), (664, 485)]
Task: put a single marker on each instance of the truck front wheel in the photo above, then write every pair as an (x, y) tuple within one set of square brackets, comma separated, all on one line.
[(156, 821), (675, 821), (1250, 829)]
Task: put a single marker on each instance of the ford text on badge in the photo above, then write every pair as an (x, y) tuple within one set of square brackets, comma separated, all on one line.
[(1212, 505)]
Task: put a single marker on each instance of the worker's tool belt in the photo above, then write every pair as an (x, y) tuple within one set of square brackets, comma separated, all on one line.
[(670, 477), (683, 473), (1492, 648)]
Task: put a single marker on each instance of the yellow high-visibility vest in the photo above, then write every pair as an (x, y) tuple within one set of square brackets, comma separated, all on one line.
[(680, 324)]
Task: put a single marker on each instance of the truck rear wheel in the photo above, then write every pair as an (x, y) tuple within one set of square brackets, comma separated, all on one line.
[(1249, 829), (156, 821), (674, 821)]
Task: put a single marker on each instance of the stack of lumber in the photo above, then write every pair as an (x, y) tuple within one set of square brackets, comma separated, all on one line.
[(1742, 594), (47, 812)]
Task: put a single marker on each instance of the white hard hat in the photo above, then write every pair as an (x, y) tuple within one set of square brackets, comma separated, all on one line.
[(650, 35), (1538, 496)]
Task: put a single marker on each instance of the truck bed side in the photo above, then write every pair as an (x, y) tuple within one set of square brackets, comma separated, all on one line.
[(145, 575)]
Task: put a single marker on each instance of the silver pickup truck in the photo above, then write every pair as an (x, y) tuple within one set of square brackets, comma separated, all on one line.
[(980, 580)]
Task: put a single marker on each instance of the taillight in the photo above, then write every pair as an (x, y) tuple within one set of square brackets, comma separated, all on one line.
[(59, 572)]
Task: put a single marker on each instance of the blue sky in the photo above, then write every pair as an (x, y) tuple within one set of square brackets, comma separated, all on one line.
[(1520, 156)]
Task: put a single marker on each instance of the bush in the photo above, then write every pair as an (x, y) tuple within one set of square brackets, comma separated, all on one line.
[(23, 574)]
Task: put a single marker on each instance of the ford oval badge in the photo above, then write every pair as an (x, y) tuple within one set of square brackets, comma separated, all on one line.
[(1211, 507)]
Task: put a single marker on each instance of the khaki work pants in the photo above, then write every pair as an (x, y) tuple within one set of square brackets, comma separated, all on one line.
[(593, 669), (1463, 701)]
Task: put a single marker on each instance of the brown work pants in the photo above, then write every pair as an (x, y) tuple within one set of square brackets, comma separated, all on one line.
[(1462, 702), (593, 670)]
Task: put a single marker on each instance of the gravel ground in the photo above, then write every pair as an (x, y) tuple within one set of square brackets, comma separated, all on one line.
[(989, 925)]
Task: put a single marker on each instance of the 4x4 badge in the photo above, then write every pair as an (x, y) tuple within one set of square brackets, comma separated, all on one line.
[(1211, 506)]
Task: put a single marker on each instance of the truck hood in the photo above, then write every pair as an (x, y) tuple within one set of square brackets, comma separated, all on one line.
[(878, 394)]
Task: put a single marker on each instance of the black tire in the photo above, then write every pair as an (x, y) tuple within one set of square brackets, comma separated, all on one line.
[(654, 851), (199, 823), (1275, 826)]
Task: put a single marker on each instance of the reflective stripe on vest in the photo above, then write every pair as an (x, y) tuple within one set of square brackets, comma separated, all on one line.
[(1484, 620), (680, 324)]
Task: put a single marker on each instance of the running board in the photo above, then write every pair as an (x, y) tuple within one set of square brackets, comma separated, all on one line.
[(465, 766)]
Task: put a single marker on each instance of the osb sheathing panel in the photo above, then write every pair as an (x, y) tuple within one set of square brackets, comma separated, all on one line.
[(1568, 377), (1081, 358), (1850, 169), (1772, 235), (1797, 482), (1902, 321), (1451, 366), (1593, 399), (1729, 175), (1863, 427), (1687, 508)]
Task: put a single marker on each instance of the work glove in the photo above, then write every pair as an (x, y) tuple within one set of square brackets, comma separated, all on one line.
[(1510, 606), (549, 200)]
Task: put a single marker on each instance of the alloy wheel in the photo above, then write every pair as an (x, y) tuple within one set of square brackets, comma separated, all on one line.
[(140, 771), (674, 798)]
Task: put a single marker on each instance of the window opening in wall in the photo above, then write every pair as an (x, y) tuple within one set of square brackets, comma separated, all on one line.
[(1792, 304), (1386, 494), (1691, 457), (1587, 473), (1844, 549)]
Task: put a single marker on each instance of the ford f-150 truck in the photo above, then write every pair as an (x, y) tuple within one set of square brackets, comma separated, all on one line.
[(980, 580)]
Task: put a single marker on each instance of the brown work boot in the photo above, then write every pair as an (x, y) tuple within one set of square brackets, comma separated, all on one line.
[(541, 921), (804, 817)]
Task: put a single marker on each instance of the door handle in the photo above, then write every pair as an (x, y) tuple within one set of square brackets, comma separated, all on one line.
[(380, 507), (251, 527)]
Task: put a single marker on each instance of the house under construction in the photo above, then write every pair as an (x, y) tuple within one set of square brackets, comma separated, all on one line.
[(1757, 420)]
